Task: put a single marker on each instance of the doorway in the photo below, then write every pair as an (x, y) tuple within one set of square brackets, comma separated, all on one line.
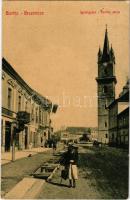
[(7, 135), (26, 137)]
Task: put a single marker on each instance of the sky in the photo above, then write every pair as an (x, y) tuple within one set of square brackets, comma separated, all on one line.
[(56, 53)]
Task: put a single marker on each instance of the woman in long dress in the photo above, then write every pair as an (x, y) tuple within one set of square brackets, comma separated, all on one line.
[(70, 161)]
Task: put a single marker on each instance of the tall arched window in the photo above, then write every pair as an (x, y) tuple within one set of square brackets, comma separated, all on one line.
[(105, 71), (9, 98), (32, 112), (19, 103), (40, 115), (26, 106), (36, 115), (105, 124), (105, 89)]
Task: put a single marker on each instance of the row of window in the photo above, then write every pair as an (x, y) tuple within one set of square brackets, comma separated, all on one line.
[(37, 116), (10, 99), (123, 121)]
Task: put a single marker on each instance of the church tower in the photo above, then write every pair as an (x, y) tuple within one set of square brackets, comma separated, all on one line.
[(106, 82)]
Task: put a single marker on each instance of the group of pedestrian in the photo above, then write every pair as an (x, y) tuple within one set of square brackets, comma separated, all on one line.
[(51, 143)]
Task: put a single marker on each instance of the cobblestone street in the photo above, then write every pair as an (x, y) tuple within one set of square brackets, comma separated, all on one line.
[(99, 174)]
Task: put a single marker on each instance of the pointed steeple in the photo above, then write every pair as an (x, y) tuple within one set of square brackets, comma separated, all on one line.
[(112, 54), (127, 82), (99, 54), (106, 51), (126, 87)]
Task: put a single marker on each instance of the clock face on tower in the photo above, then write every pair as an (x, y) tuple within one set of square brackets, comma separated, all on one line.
[(105, 71), (105, 64)]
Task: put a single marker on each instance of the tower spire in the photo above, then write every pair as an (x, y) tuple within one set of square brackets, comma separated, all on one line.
[(99, 54), (112, 54), (106, 49)]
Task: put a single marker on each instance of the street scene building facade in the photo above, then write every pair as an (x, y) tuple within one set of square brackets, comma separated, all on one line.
[(94, 134), (119, 119), (19, 96)]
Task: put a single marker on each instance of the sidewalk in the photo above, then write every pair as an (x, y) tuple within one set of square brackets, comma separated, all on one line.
[(14, 172), (7, 156)]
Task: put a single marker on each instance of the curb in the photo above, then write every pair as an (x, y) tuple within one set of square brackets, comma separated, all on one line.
[(4, 161)]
